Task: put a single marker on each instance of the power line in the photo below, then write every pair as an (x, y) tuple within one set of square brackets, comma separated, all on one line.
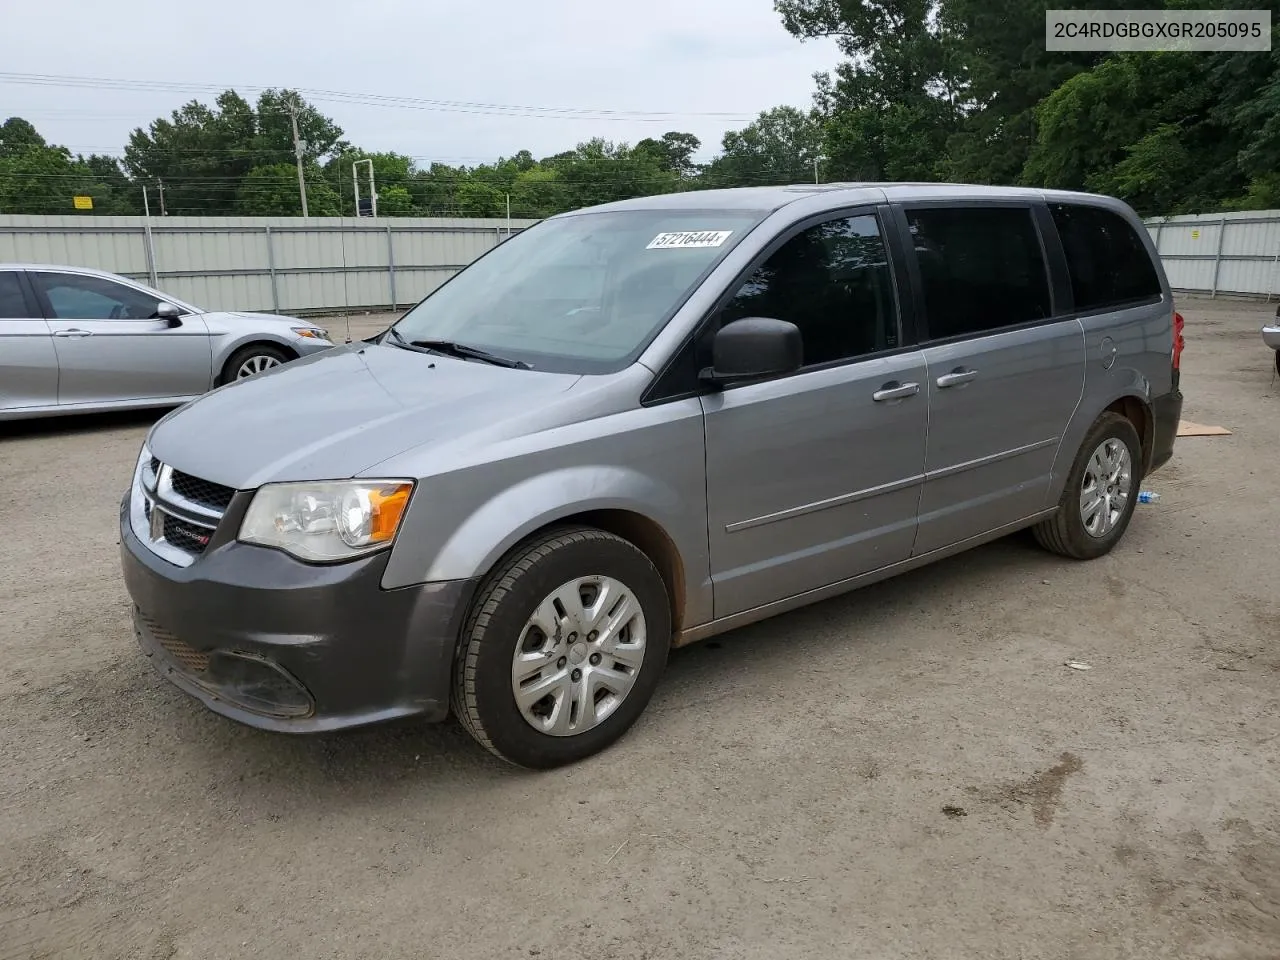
[(365, 99)]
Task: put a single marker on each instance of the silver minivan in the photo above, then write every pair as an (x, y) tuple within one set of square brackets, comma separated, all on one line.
[(635, 426)]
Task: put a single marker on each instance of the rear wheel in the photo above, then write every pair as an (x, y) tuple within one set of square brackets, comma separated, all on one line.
[(1101, 491), (252, 360), (563, 648)]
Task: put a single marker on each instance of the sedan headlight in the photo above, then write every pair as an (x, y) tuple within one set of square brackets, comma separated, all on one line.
[(311, 333), (326, 521)]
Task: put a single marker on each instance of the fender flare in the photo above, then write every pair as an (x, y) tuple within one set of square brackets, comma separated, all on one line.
[(1138, 391), (516, 512)]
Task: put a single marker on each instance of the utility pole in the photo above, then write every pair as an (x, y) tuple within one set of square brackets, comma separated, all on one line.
[(815, 170), (299, 148), (160, 184)]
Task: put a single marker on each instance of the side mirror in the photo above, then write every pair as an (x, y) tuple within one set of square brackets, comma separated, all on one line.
[(167, 311), (753, 348)]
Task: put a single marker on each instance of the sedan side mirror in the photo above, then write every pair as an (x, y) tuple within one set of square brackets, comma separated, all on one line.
[(167, 311), (754, 348)]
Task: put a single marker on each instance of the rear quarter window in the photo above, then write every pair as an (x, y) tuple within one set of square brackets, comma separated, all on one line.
[(1108, 262)]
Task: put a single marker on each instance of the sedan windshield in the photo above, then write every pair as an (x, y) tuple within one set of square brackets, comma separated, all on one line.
[(578, 294)]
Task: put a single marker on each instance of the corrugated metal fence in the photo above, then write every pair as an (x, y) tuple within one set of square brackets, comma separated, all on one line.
[(1233, 254), (296, 265), (278, 264)]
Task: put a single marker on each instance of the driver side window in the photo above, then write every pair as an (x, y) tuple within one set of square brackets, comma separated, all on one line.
[(79, 297), (833, 282)]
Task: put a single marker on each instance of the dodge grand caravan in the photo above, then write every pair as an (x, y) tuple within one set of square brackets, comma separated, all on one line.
[(634, 426)]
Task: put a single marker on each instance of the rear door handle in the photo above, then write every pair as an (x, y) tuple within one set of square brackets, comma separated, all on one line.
[(895, 391), (956, 377), (73, 332)]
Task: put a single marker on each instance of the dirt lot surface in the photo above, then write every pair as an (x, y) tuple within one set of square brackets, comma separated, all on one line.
[(906, 772)]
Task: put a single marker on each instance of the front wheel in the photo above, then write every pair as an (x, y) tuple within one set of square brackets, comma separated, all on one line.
[(563, 648), (252, 360), (1101, 491)]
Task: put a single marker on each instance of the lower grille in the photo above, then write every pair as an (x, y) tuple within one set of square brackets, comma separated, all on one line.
[(185, 655)]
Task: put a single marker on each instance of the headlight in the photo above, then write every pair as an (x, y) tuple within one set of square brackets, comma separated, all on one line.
[(312, 333), (326, 521)]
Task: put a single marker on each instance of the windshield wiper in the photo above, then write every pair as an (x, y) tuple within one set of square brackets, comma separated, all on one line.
[(401, 342), (454, 349)]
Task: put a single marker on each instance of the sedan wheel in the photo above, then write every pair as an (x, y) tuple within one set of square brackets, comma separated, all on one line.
[(251, 360), (255, 365)]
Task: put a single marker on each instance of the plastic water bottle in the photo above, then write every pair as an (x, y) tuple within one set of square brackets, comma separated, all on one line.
[(1148, 496)]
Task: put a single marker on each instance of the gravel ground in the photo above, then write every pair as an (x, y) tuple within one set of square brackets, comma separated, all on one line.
[(906, 772)]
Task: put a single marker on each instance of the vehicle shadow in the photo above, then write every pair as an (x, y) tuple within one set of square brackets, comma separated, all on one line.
[(79, 424), (411, 755)]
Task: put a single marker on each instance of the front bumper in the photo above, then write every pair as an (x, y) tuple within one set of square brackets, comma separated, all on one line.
[(269, 641), (1166, 411)]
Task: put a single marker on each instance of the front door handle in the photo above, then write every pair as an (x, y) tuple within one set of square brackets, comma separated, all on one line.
[(75, 332), (895, 391), (956, 377)]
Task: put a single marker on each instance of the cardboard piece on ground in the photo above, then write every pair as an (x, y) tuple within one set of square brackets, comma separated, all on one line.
[(1188, 429)]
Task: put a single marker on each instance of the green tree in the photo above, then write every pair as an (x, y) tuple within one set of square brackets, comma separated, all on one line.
[(996, 51), (538, 192), (272, 191), (889, 108), (673, 152), (39, 178), (600, 171), (203, 154), (779, 146)]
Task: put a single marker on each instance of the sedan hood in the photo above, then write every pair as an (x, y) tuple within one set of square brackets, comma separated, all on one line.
[(338, 413)]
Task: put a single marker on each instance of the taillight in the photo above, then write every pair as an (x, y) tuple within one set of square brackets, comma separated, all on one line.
[(1178, 342)]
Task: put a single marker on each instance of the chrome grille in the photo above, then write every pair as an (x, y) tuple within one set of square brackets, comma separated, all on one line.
[(174, 513)]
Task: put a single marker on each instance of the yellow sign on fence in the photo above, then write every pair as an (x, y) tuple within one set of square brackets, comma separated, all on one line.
[(83, 203), (1195, 234)]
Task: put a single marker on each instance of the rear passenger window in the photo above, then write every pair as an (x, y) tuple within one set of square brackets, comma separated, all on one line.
[(12, 304), (833, 282), (981, 268), (1108, 262)]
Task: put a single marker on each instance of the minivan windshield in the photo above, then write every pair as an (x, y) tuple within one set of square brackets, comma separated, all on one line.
[(578, 294)]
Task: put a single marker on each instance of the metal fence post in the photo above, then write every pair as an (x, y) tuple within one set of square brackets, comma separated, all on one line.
[(271, 266), (391, 266), (149, 242), (1275, 275), (1217, 258), (1159, 232)]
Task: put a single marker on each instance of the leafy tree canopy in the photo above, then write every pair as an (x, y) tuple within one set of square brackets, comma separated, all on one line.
[(959, 90)]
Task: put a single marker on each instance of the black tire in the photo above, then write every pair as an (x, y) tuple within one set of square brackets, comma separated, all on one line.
[(1065, 532), (483, 699), (244, 354)]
